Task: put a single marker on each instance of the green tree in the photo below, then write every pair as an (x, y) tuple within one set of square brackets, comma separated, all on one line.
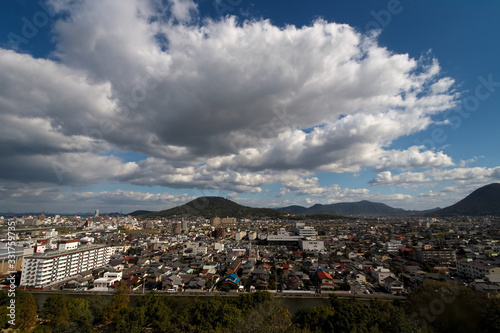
[(97, 305), (447, 307), (158, 310), (55, 311), (491, 315), (267, 317), (130, 320), (4, 302), (317, 318), (27, 312), (80, 315), (119, 301)]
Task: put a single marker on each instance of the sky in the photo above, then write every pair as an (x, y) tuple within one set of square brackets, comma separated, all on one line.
[(126, 105)]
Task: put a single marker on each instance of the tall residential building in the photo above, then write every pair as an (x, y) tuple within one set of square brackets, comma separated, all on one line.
[(44, 269), (177, 228), (219, 232), (184, 225)]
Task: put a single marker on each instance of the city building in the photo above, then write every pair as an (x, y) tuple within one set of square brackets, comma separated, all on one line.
[(238, 235), (312, 245), (228, 220), (425, 255), (381, 273), (11, 261), (220, 232), (44, 269), (392, 246), (476, 269), (106, 282), (215, 221), (283, 236), (306, 232), (67, 245)]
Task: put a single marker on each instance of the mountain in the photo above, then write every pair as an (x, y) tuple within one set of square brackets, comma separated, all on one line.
[(140, 212), (319, 209), (210, 207), (483, 201), (297, 210), (364, 207)]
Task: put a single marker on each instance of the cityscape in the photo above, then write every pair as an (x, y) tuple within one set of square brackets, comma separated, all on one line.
[(249, 166), (301, 261)]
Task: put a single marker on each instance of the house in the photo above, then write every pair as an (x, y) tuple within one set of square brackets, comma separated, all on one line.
[(294, 281), (234, 266), (392, 285), (172, 282), (196, 283), (324, 279), (380, 274), (260, 278), (143, 262), (107, 281), (231, 280), (153, 278), (115, 265)]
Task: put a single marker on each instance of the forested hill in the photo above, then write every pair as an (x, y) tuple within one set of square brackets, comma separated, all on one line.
[(210, 207)]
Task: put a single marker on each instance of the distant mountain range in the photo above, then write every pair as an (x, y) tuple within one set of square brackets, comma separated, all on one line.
[(360, 208), (481, 202)]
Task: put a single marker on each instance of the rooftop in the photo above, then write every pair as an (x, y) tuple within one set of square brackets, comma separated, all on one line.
[(51, 254)]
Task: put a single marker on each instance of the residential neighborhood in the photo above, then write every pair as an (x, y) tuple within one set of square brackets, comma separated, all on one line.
[(348, 256)]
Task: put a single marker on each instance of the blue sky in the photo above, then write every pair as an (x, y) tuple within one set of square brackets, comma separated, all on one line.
[(146, 105)]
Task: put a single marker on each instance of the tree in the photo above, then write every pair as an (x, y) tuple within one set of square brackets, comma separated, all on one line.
[(158, 312), (129, 319), (80, 314), (97, 305), (119, 301), (267, 317), (27, 312), (4, 302), (55, 311), (317, 318), (447, 307)]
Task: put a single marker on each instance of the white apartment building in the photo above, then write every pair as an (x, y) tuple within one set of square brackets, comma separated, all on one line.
[(43, 269)]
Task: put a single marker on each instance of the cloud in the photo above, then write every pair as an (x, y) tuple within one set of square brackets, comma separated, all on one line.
[(222, 104), (477, 176), (54, 199), (386, 178)]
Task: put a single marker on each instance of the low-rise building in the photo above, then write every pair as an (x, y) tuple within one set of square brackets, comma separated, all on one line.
[(106, 282)]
